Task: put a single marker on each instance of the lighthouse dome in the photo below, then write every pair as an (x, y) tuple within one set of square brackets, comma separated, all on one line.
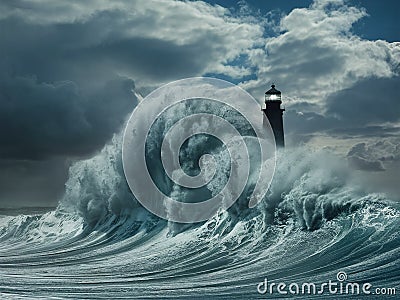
[(273, 94)]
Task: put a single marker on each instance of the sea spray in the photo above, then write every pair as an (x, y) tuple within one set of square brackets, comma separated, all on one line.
[(310, 186)]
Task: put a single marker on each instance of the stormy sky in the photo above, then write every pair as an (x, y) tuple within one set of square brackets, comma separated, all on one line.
[(70, 72)]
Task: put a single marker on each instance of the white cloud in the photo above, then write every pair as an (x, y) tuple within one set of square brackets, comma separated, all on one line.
[(316, 53), (383, 155), (383, 151)]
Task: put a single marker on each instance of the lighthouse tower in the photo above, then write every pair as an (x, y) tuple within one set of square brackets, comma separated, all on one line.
[(274, 113)]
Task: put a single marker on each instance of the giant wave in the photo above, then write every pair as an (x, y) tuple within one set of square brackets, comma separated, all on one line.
[(101, 243)]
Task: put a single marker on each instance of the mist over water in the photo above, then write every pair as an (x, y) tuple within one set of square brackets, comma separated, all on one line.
[(313, 222)]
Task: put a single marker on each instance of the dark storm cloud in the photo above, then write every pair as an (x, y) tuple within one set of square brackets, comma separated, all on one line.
[(307, 122), (67, 73), (375, 131), (66, 67), (302, 106), (39, 120), (43, 125), (60, 91), (370, 108), (84, 51), (368, 101), (162, 59), (53, 106), (32, 183), (56, 95)]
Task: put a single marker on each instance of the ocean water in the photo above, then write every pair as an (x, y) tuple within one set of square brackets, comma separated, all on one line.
[(315, 221)]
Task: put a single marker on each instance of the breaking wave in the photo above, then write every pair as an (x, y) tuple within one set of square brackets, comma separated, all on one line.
[(101, 243)]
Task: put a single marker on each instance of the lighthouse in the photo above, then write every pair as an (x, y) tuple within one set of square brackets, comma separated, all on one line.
[(274, 114)]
